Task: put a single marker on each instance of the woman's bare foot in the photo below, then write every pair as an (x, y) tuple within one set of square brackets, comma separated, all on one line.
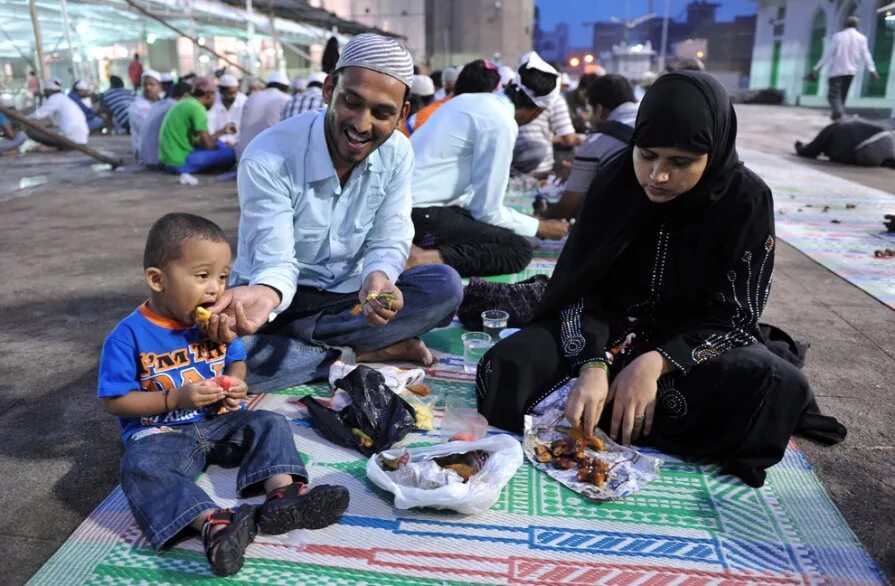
[(421, 256), (411, 350)]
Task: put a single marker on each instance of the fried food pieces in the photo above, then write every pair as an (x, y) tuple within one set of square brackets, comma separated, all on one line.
[(569, 453), (202, 314), (383, 299)]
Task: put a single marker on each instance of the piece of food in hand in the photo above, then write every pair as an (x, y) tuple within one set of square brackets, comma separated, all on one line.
[(420, 390), (383, 299), (577, 433), (225, 382), (357, 310), (203, 314), (363, 439)]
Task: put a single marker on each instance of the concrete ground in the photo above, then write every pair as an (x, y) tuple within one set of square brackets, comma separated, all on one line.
[(70, 253)]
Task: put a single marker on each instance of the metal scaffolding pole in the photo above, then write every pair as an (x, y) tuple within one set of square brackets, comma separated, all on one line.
[(66, 24), (250, 42), (38, 42)]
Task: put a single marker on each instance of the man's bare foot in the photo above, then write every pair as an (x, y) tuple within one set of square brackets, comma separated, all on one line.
[(411, 350), (421, 256)]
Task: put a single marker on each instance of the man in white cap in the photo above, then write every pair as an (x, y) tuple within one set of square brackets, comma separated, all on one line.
[(262, 110), (299, 84), (227, 108), (325, 227), (463, 157), (534, 146), (80, 94), (308, 101), (62, 112), (139, 108), (152, 126), (448, 79)]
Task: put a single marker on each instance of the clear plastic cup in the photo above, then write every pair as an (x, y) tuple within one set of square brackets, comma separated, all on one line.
[(493, 321), (461, 422), (475, 344)]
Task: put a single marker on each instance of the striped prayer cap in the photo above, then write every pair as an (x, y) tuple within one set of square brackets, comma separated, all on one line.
[(380, 54)]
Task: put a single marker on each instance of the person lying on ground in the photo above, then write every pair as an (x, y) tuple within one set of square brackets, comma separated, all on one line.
[(611, 98), (325, 226), (655, 301), (184, 144), (852, 142), (179, 399), (63, 114), (462, 169)]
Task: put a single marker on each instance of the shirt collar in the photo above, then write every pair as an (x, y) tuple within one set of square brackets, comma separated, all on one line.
[(320, 164), (623, 111)]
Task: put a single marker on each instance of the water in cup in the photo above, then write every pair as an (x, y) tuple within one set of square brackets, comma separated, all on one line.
[(475, 344), (493, 321)]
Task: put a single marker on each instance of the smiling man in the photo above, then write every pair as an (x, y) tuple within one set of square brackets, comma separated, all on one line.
[(325, 226)]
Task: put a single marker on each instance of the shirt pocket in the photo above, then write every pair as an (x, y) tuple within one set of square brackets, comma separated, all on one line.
[(308, 242), (368, 209)]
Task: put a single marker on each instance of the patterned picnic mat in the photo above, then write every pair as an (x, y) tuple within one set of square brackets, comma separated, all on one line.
[(814, 213), (690, 527)]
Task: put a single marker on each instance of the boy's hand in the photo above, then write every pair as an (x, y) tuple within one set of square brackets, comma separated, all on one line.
[(198, 395), (236, 394)]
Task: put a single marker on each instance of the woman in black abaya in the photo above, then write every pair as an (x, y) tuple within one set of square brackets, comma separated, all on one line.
[(655, 300)]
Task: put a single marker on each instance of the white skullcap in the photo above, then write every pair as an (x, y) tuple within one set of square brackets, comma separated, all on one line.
[(228, 80), (166, 77), (299, 83), (422, 85), (507, 74), (153, 74), (378, 53), (277, 77), (532, 60), (317, 77), (82, 85), (564, 79), (450, 75), (52, 83)]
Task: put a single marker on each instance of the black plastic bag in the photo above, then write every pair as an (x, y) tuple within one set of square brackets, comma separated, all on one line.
[(375, 411)]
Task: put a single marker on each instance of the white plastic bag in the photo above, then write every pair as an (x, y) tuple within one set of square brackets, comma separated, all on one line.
[(475, 496)]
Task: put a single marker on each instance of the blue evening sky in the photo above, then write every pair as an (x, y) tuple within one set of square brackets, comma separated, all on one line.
[(576, 12)]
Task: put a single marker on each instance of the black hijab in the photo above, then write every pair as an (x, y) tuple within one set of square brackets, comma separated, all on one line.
[(685, 109)]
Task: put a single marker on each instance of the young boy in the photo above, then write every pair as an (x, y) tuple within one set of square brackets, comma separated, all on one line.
[(178, 398)]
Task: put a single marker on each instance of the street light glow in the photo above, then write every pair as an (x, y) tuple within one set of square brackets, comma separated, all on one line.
[(588, 58), (700, 54), (574, 61)]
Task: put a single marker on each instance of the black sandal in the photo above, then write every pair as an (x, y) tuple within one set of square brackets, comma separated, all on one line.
[(225, 548), (285, 509)]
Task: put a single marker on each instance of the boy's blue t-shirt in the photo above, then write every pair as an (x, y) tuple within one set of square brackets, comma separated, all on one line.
[(147, 352)]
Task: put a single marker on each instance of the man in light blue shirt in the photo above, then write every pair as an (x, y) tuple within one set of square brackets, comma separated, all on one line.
[(463, 155), (325, 226)]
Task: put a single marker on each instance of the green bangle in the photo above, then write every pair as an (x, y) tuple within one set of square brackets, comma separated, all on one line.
[(594, 364)]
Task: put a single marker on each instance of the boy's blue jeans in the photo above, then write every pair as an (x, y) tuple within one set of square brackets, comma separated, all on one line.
[(201, 160), (158, 471), (301, 344)]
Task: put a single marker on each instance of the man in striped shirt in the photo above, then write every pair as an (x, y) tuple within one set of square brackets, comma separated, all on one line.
[(534, 145), (309, 100), (117, 101)]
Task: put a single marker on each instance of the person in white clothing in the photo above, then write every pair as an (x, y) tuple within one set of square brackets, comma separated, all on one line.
[(463, 155), (64, 113), (847, 49), (139, 108), (227, 108), (262, 110)]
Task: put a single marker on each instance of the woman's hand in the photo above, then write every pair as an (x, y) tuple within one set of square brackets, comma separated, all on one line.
[(635, 390), (587, 398)]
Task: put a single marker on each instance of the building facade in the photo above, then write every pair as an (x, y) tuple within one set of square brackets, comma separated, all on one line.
[(441, 33), (791, 37)]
